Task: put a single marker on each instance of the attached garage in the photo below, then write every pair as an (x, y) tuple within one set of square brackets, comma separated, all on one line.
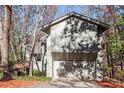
[(73, 47), (73, 65)]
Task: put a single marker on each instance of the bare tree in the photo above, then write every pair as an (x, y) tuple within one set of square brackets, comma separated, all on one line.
[(43, 17), (5, 40)]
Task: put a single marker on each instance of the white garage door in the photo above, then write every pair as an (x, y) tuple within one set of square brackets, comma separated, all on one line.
[(74, 65)]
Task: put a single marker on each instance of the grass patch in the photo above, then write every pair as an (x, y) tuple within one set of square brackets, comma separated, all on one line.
[(32, 78)]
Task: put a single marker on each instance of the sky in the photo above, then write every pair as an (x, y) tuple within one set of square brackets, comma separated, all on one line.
[(64, 9)]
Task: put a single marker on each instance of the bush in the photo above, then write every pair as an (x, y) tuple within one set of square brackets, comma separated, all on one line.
[(39, 73), (43, 73), (120, 75), (36, 73), (1, 75), (107, 69), (21, 73)]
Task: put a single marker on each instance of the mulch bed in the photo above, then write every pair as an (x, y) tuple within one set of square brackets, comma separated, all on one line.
[(109, 84), (16, 83)]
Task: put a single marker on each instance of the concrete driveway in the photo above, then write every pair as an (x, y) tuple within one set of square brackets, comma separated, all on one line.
[(66, 84)]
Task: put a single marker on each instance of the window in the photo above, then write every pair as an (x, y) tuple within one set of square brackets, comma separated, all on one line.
[(38, 57)]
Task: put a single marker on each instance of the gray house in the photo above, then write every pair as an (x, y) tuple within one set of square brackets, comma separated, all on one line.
[(73, 47)]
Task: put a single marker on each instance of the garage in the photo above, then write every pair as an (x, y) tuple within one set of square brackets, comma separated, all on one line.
[(74, 65), (74, 48)]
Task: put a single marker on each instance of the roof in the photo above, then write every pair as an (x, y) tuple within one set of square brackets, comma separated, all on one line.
[(21, 65), (77, 15)]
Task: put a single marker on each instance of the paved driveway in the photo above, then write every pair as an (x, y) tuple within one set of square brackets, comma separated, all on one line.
[(66, 84)]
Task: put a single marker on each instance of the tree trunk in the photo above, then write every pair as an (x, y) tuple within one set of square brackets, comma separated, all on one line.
[(37, 63), (108, 60), (5, 41), (32, 52), (38, 20), (13, 51)]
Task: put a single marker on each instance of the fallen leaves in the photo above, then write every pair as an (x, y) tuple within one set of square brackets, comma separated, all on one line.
[(16, 83), (110, 85)]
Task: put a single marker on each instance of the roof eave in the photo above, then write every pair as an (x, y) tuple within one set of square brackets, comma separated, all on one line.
[(99, 23)]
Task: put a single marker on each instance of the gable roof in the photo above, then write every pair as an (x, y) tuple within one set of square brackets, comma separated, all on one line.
[(80, 16)]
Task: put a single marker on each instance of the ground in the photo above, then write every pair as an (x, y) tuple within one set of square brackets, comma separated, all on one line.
[(65, 84), (16, 83), (45, 82)]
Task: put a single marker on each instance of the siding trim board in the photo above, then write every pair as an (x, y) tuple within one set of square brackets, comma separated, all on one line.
[(70, 56)]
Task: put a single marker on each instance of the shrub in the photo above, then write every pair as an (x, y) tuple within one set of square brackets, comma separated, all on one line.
[(39, 73), (120, 75), (21, 73), (107, 69), (32, 78), (1, 75)]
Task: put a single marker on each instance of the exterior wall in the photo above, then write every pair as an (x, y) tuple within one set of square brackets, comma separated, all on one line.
[(0, 29), (0, 38), (48, 58), (99, 60), (65, 39), (35, 66), (39, 51), (73, 35)]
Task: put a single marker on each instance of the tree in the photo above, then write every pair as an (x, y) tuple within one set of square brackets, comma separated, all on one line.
[(27, 22), (5, 41), (42, 17)]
